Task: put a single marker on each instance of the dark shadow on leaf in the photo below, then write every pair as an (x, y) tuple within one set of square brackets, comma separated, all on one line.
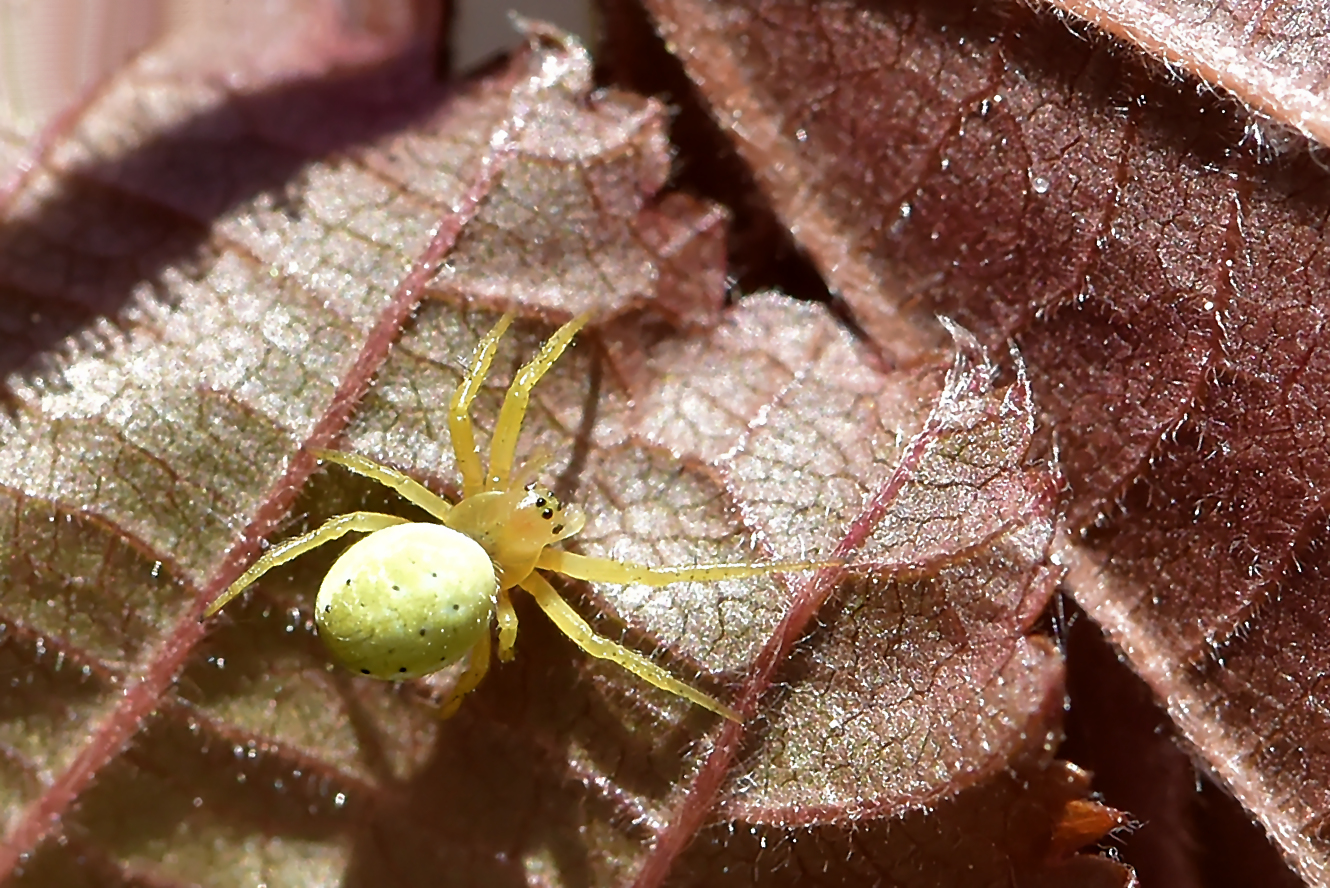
[(504, 787), (566, 485), (993, 834), (180, 771), (761, 251)]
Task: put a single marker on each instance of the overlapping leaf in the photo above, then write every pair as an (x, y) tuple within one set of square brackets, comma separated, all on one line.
[(309, 264), (1163, 272), (1272, 57)]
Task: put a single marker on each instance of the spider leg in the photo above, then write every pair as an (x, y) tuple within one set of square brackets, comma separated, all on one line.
[(571, 624), (478, 664), (507, 625), (503, 446), (333, 528), (459, 409), (408, 488), (604, 570)]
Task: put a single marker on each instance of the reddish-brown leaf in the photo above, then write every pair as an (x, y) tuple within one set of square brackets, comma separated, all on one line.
[(1272, 55), (1163, 272), (277, 259), (1003, 832)]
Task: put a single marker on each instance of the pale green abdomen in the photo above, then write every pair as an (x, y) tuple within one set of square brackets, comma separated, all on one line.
[(406, 601)]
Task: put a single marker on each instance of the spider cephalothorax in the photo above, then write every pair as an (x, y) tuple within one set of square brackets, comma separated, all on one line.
[(412, 598)]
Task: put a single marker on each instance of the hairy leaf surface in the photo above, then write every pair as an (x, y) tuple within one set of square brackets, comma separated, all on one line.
[(1156, 249), (292, 241)]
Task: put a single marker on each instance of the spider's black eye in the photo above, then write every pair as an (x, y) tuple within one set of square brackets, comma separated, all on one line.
[(558, 528), (540, 501), (531, 485), (547, 514)]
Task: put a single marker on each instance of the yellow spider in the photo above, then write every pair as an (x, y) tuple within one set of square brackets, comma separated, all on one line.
[(414, 598)]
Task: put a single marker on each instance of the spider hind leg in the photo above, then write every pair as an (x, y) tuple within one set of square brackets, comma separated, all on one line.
[(478, 666), (405, 486), (507, 618), (332, 529), (571, 624)]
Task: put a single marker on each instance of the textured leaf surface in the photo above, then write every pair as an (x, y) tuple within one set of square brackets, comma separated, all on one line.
[(1163, 271), (293, 241), (1271, 55)]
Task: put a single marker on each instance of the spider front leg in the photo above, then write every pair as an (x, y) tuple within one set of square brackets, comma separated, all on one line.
[(332, 529), (460, 427), (503, 444), (604, 570), (570, 623)]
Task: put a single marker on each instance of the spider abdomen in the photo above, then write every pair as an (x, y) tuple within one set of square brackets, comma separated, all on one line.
[(406, 601)]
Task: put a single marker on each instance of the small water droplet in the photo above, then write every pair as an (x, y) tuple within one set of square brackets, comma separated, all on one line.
[(339, 800), (1039, 184)]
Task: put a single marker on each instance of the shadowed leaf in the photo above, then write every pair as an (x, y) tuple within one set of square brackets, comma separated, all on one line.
[(1160, 260)]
